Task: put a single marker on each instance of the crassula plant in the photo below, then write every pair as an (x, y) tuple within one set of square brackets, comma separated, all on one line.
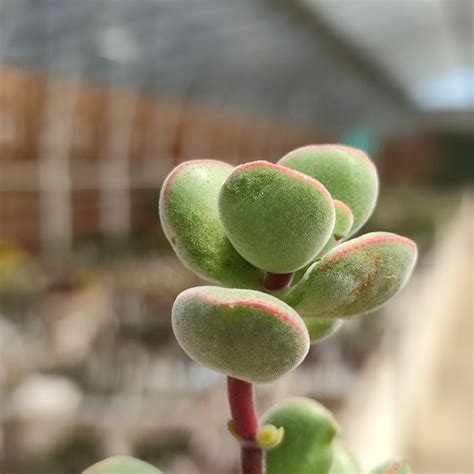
[(273, 240)]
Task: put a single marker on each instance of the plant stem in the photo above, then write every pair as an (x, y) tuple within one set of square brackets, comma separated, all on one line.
[(244, 416), (277, 281), (242, 403), (253, 461)]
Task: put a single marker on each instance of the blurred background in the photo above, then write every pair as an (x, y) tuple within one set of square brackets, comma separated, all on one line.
[(100, 99)]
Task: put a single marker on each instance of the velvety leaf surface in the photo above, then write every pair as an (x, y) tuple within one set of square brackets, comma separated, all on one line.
[(307, 444), (342, 228), (246, 334), (347, 173), (122, 465), (276, 218), (343, 461), (355, 278), (320, 328), (392, 467), (190, 220)]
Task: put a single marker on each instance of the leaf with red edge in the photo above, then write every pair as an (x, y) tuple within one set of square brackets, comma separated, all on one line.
[(245, 334), (191, 222), (347, 172), (392, 467), (355, 278), (276, 218)]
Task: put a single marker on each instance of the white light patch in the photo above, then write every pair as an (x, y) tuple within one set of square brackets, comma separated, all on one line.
[(449, 90), (117, 44)]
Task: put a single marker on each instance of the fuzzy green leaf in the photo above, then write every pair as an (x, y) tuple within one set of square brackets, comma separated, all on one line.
[(347, 173), (246, 334), (355, 278), (343, 461), (190, 220), (392, 467), (122, 465), (320, 328), (307, 445), (277, 219), (342, 228)]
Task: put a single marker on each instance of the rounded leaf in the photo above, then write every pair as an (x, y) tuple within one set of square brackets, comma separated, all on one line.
[(191, 223), (321, 328), (342, 227), (392, 467), (347, 173), (278, 219), (355, 278), (246, 334), (343, 461), (307, 445), (122, 465)]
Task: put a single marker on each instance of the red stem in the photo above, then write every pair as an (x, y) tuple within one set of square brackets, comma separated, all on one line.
[(277, 281), (242, 405), (253, 461), (244, 416)]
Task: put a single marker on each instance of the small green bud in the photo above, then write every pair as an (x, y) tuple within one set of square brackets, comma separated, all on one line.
[(342, 228), (233, 430), (270, 436)]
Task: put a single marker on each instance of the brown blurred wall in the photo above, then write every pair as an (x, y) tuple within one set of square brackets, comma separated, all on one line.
[(409, 158), (93, 132)]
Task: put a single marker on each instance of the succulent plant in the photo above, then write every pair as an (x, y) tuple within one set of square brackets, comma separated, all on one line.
[(306, 446), (121, 465), (273, 237), (343, 461), (244, 334), (392, 467)]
